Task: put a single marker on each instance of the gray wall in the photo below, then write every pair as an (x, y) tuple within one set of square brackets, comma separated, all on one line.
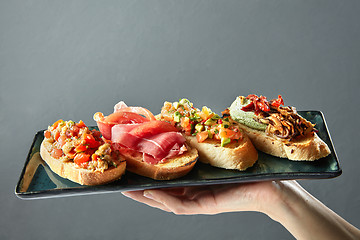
[(69, 59)]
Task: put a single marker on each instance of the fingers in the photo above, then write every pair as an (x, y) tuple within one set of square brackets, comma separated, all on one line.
[(139, 197), (179, 204)]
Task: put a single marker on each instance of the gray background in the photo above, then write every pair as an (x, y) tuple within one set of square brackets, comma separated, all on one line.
[(70, 59)]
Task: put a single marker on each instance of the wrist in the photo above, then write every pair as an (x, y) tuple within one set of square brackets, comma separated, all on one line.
[(285, 195)]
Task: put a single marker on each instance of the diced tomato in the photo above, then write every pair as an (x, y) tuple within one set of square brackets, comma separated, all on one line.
[(151, 128), (167, 106), (202, 136), (80, 124), (56, 135), (226, 133), (62, 140), (47, 134), (96, 134), (71, 154), (55, 125), (94, 157), (56, 153), (167, 116), (90, 140), (74, 131), (80, 148), (81, 158), (185, 124)]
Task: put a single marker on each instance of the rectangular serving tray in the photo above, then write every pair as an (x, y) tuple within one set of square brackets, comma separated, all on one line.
[(38, 181)]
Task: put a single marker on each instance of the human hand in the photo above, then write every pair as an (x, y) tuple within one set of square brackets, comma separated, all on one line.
[(213, 199)]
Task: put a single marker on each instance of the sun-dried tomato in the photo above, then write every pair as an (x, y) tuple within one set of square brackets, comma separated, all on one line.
[(277, 102), (257, 104)]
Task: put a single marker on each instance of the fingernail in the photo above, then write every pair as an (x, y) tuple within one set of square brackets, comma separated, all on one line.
[(147, 194)]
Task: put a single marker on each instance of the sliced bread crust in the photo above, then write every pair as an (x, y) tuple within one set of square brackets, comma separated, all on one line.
[(308, 148), (172, 168), (238, 155), (73, 172)]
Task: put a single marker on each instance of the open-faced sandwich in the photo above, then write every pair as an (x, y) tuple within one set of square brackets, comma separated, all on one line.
[(75, 152), (152, 148), (276, 129), (219, 141)]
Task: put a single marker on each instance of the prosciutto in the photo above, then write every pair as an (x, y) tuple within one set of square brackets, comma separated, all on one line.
[(136, 129)]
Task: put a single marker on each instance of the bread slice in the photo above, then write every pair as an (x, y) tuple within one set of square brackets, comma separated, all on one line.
[(238, 155), (73, 172), (308, 148), (172, 168)]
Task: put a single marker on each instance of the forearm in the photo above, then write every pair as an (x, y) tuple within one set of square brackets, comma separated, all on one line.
[(307, 218)]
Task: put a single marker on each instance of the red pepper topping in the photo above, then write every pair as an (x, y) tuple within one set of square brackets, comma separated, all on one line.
[(277, 102), (261, 104)]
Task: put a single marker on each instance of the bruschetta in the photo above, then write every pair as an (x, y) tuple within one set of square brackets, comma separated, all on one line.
[(276, 129), (152, 148), (75, 152)]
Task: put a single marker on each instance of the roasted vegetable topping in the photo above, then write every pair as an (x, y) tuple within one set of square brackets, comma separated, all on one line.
[(204, 123), (283, 122), (75, 142)]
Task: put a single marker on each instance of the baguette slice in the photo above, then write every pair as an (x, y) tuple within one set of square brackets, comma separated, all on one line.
[(235, 155), (172, 168), (309, 148), (73, 172)]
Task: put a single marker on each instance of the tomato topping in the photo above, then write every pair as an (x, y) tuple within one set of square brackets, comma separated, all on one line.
[(80, 148), (202, 136), (57, 135), (71, 154), (47, 134), (81, 158), (202, 123), (90, 140), (277, 102), (55, 125), (94, 157), (81, 124), (257, 104), (260, 104), (62, 140), (56, 153)]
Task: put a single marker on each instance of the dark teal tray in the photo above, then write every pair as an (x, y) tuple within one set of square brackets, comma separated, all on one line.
[(38, 181)]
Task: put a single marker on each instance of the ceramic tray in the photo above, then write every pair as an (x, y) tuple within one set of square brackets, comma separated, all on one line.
[(38, 181)]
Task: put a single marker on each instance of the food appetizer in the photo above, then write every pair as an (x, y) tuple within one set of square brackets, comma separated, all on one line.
[(276, 129), (75, 152), (152, 148), (219, 141)]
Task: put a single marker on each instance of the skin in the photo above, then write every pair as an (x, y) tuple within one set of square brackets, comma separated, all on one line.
[(283, 201)]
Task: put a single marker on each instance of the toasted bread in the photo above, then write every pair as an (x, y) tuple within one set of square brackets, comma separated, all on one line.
[(238, 155), (308, 148), (170, 169), (73, 172)]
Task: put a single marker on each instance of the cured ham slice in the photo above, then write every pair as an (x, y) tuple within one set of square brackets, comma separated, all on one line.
[(136, 129), (122, 107), (106, 123), (159, 146)]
